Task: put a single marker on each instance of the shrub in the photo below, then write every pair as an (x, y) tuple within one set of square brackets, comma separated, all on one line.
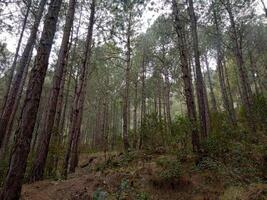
[(153, 131), (181, 130), (216, 145), (100, 194), (171, 169)]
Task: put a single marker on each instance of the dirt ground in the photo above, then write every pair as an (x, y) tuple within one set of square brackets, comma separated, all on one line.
[(139, 180)]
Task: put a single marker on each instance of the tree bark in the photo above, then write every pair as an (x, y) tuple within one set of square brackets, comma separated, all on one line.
[(12, 94), (187, 77), (220, 68), (18, 161), (167, 92), (46, 132), (200, 87), (13, 66), (135, 113), (246, 93), (5, 146), (143, 101), (254, 73), (212, 95), (75, 124), (126, 90)]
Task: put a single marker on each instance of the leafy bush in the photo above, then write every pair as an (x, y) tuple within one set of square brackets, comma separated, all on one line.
[(216, 145), (181, 130), (209, 163), (171, 169), (260, 110), (142, 196), (153, 131), (100, 194)]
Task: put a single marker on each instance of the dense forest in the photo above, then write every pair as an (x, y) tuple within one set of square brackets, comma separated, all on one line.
[(133, 99)]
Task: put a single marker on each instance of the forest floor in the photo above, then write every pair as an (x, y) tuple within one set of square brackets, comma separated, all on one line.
[(140, 176)]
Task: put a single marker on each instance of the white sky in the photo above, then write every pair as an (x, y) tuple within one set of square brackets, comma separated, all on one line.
[(148, 18)]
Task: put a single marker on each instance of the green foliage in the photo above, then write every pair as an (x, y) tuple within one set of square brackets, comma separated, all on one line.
[(209, 163), (114, 162), (55, 154), (220, 122), (171, 169), (142, 196), (100, 194), (109, 164), (216, 145), (181, 131), (181, 126), (127, 191), (233, 156), (123, 189), (260, 109), (153, 131)]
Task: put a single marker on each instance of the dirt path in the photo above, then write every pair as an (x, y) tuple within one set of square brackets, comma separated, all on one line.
[(75, 188)]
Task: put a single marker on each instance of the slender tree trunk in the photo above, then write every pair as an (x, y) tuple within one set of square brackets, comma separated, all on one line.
[(13, 66), (246, 93), (50, 112), (18, 161), (187, 79), (75, 125), (143, 101), (67, 96), (229, 92), (135, 113), (200, 87), (160, 98), (225, 97), (254, 73), (127, 85), (168, 104), (167, 98), (60, 115), (4, 148), (212, 95), (14, 89)]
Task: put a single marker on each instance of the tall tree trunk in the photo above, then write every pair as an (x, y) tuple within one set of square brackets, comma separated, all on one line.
[(75, 124), (225, 97), (5, 146), (246, 93), (13, 66), (70, 137), (59, 120), (71, 64), (46, 132), (143, 101), (212, 95), (126, 90), (10, 102), (167, 98), (229, 92), (18, 161), (160, 98), (135, 113), (254, 73), (200, 87), (187, 77)]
